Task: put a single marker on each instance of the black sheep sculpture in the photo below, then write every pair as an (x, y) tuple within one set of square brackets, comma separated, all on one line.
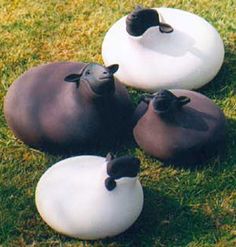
[(68, 106), (181, 127)]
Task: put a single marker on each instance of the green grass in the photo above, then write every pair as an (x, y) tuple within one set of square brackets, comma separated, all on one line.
[(182, 207)]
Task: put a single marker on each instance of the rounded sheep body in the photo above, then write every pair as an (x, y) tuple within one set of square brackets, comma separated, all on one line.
[(55, 115)]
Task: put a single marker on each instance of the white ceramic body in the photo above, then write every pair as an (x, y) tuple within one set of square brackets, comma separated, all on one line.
[(187, 58), (72, 199)]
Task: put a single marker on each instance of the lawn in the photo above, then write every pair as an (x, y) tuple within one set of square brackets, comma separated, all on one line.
[(183, 207)]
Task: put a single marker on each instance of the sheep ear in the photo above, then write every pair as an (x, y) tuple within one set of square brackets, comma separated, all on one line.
[(138, 7), (110, 157), (110, 184), (113, 68), (165, 28), (72, 78), (76, 77), (183, 100)]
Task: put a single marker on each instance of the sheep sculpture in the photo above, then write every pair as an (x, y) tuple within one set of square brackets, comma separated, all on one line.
[(180, 127), (61, 107), (102, 197), (163, 48)]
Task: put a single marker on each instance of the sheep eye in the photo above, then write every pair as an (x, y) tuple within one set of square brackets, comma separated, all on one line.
[(87, 72), (134, 16)]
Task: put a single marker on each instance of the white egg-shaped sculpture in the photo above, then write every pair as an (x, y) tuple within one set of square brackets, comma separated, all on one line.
[(163, 48), (90, 197)]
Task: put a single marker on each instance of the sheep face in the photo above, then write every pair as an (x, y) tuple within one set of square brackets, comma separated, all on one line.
[(99, 78), (165, 101)]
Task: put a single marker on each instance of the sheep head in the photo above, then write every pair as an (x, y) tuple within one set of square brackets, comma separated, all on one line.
[(165, 101), (99, 78), (126, 166), (141, 19)]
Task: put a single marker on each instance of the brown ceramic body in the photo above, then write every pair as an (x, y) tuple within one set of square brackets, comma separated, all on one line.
[(48, 113), (190, 135)]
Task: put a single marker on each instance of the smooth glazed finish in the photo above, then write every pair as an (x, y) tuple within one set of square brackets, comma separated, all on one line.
[(90, 197), (180, 127), (61, 107), (174, 49)]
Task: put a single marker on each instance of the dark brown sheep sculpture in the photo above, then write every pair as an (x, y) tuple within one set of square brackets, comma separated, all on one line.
[(68, 106), (180, 127)]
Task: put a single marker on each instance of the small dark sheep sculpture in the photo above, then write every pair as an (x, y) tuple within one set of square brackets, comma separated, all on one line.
[(183, 130), (61, 107)]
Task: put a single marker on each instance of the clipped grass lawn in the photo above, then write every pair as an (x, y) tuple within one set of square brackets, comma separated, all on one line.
[(182, 207)]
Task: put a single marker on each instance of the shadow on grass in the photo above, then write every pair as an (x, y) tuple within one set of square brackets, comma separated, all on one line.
[(163, 222), (8, 199)]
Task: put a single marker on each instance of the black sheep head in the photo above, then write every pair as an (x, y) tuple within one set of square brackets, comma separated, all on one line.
[(165, 101), (141, 19), (126, 166), (99, 78)]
